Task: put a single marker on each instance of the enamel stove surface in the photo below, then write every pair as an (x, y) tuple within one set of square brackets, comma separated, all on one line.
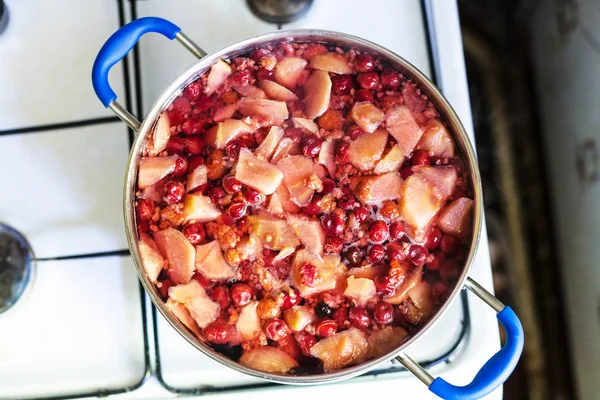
[(84, 328)]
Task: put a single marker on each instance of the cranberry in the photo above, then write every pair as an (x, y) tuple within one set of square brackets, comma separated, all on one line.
[(341, 84), (354, 256), (354, 131), (364, 63), (194, 233), (193, 125), (257, 54), (291, 299), (390, 79), (340, 316), (333, 225), (241, 77), (334, 244), (359, 317), (175, 145), (328, 186), (347, 201), (145, 209), (264, 74), (276, 329), (194, 162), (417, 254), (449, 244), (220, 294), (217, 332), (181, 166), (283, 50), (378, 231), (232, 149), (364, 95), (421, 157), (164, 288), (368, 80), (253, 196), (294, 133), (361, 214), (314, 206), (439, 289), (174, 192), (383, 312), (323, 310), (437, 261), (326, 328), (204, 103), (405, 171), (434, 237), (182, 105), (394, 252), (384, 285), (306, 341), (241, 294), (342, 155), (237, 210), (231, 185), (193, 90), (449, 269), (194, 144), (308, 274), (376, 253), (202, 280), (143, 225), (311, 146), (397, 230), (216, 194), (175, 118)]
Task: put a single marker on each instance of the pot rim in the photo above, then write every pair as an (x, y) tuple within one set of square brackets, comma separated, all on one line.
[(447, 113)]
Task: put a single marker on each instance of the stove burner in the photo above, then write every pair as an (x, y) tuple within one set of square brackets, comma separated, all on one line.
[(16, 266), (279, 11), (3, 16)]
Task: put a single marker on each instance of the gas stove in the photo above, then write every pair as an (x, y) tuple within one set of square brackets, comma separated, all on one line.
[(81, 327)]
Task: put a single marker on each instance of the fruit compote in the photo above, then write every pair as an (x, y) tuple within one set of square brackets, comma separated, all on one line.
[(302, 208)]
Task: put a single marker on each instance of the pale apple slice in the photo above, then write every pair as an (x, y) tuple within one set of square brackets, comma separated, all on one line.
[(299, 317), (456, 218), (248, 323), (306, 124), (368, 271), (193, 296), (224, 132), (183, 315), (268, 359), (330, 273), (359, 289), (269, 144), (288, 70), (153, 169), (367, 116), (196, 178), (283, 254), (331, 62), (414, 278), (436, 140), (378, 188), (422, 298), (152, 259), (284, 148), (210, 262), (342, 349), (275, 207), (156, 191), (277, 92), (249, 247), (179, 252), (309, 231), (288, 205), (276, 111), (418, 205), (273, 232), (297, 172), (327, 155), (258, 174), (317, 90), (249, 91), (385, 340), (392, 161), (402, 126), (160, 135), (225, 112), (199, 208), (365, 151), (218, 74), (443, 179)]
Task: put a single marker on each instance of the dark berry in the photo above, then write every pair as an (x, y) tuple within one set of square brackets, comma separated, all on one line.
[(323, 310)]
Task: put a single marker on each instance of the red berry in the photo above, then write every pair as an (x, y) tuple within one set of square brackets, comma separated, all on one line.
[(193, 125), (241, 77), (342, 156), (193, 90), (364, 95), (359, 317), (294, 133), (174, 192), (253, 196), (144, 209), (241, 294), (264, 74), (383, 312), (164, 288), (328, 186), (378, 231), (231, 185), (311, 146), (306, 341), (405, 171), (361, 214), (314, 206), (390, 79), (334, 244), (341, 84), (220, 294), (181, 165), (291, 299), (354, 131), (204, 103), (384, 285), (218, 332), (194, 144), (449, 269), (194, 233), (283, 50), (308, 274), (364, 63), (276, 329), (194, 162), (449, 244), (175, 145), (333, 225), (439, 289), (237, 210), (257, 54), (417, 254), (202, 280), (394, 252), (326, 328), (434, 237), (421, 157), (182, 105), (437, 261), (216, 194), (347, 201), (368, 80), (232, 149), (354, 256), (376, 253), (397, 230), (175, 118)]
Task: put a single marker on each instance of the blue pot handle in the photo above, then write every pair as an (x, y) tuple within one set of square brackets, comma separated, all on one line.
[(495, 371)]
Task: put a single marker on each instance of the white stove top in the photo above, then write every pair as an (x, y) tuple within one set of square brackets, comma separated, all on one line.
[(81, 328)]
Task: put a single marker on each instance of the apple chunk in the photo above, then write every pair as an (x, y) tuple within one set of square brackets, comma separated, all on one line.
[(199, 208), (217, 76), (152, 259), (274, 110), (327, 155), (153, 169), (224, 132), (183, 315), (456, 218), (437, 140), (443, 179), (258, 174), (378, 188), (273, 232), (288, 70), (309, 231), (193, 296), (329, 273), (298, 317), (317, 90), (160, 135), (269, 144), (179, 252), (306, 124), (268, 359), (277, 92), (297, 174), (418, 205), (359, 289), (365, 151), (210, 262), (385, 340), (392, 161), (248, 323), (414, 278), (367, 116), (342, 349), (331, 62), (197, 177), (402, 126)]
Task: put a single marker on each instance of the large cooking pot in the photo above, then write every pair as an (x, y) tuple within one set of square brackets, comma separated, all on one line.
[(491, 375)]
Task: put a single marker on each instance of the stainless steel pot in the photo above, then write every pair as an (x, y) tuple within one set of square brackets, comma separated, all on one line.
[(491, 375)]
